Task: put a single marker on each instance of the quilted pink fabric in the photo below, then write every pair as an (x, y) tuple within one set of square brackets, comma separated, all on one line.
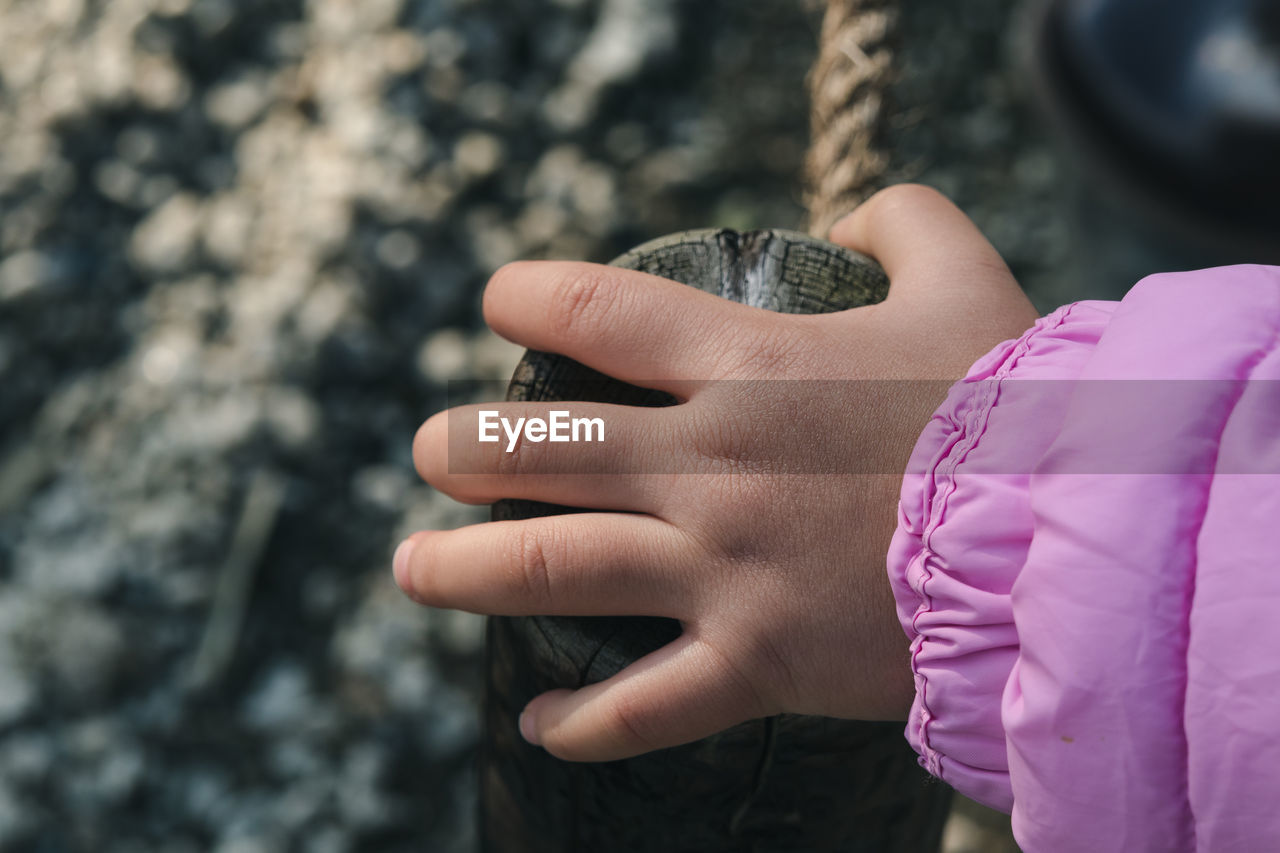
[(1083, 563)]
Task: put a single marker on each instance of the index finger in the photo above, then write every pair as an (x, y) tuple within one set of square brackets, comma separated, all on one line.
[(636, 327)]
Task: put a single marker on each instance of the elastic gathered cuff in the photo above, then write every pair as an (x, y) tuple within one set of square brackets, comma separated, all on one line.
[(964, 526)]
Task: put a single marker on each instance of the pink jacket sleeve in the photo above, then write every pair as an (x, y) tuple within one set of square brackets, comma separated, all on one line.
[(1083, 565)]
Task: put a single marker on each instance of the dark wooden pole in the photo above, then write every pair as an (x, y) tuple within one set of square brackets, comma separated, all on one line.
[(786, 783)]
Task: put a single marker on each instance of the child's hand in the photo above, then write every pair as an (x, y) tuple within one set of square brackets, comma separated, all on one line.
[(778, 578)]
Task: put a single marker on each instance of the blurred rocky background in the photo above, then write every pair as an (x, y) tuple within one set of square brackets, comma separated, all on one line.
[(241, 252)]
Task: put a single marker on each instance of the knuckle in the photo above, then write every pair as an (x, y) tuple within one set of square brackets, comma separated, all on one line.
[(994, 287), (581, 300), (521, 458), (626, 722), (774, 352), (726, 442), (747, 548), (531, 564)]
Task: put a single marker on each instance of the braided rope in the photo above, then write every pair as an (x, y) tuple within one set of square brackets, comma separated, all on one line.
[(846, 161)]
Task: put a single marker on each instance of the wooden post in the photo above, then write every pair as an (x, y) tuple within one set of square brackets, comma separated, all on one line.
[(786, 783)]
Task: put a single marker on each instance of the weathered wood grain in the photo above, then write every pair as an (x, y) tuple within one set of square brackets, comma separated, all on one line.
[(787, 783)]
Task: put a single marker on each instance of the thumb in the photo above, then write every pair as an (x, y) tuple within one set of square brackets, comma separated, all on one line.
[(926, 244), (682, 692)]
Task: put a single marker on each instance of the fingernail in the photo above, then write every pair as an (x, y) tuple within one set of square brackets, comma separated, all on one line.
[(527, 729), (400, 563)]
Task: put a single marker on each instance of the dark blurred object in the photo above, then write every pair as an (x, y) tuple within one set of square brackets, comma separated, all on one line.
[(1174, 108)]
